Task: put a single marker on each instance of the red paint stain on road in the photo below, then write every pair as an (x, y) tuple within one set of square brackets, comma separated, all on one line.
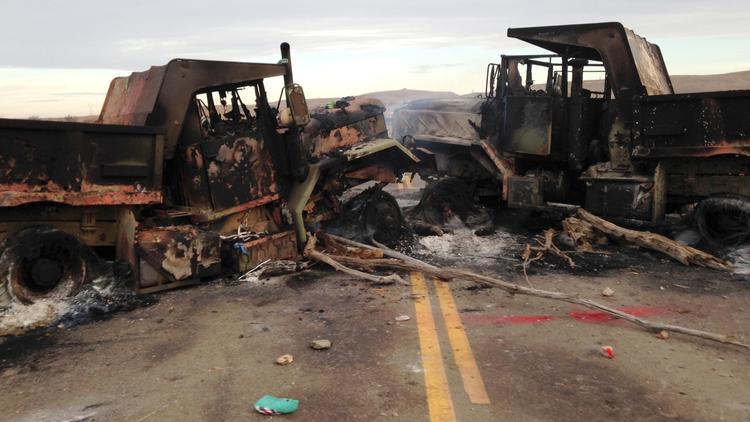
[(591, 317), (599, 317)]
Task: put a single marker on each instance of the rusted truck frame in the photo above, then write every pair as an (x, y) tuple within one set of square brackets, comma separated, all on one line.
[(180, 178), (634, 150)]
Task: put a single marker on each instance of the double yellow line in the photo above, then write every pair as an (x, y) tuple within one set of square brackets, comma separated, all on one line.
[(439, 400)]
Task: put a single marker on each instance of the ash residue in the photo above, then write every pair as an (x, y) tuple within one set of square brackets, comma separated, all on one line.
[(740, 259), (462, 246), (98, 300)]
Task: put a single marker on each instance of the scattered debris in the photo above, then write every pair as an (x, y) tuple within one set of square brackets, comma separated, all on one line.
[(403, 318), (281, 267), (546, 244), (320, 344), (397, 261), (250, 275), (313, 253), (583, 234), (685, 254), (284, 360), (608, 352), (607, 292), (274, 406), (663, 334)]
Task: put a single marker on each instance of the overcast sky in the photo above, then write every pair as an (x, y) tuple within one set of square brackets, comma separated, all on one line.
[(57, 57)]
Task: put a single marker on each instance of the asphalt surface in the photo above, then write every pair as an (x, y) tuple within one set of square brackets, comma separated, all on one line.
[(208, 353)]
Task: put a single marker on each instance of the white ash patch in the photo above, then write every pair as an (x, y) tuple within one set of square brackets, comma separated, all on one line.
[(464, 246), (20, 318), (740, 259), (100, 297)]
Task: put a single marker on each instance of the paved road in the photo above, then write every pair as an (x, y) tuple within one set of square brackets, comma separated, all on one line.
[(466, 354)]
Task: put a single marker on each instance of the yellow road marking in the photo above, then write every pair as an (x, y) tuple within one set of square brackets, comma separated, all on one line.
[(439, 399), (462, 354)]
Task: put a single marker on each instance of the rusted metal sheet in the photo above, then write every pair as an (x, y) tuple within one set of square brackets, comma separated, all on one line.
[(95, 226), (223, 175), (78, 164), (259, 219), (239, 170), (174, 254), (243, 256)]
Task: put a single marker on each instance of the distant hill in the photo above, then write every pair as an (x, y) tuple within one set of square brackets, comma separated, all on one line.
[(704, 83), (396, 98), (697, 83)]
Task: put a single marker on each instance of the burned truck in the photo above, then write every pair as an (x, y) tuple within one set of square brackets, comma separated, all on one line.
[(190, 170), (596, 123)]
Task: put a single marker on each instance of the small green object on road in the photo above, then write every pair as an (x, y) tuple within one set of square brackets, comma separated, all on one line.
[(270, 405)]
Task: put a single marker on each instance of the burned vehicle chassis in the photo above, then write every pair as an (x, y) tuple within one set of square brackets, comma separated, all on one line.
[(633, 151), (184, 175)]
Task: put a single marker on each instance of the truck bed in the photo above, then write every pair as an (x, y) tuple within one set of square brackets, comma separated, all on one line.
[(79, 164), (702, 124)]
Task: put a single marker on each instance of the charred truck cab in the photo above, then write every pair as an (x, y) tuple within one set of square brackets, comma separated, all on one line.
[(627, 147), (189, 169)]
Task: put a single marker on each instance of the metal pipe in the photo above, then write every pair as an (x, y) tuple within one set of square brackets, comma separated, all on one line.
[(286, 56)]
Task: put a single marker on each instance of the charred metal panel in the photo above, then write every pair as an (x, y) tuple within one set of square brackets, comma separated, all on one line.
[(701, 177), (94, 226), (243, 256), (78, 164), (350, 121), (525, 192), (650, 65), (583, 126), (161, 96), (528, 125), (693, 125), (222, 173), (176, 254), (238, 169), (634, 65), (626, 198)]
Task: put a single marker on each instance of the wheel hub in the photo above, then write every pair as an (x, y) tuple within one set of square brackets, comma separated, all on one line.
[(45, 274)]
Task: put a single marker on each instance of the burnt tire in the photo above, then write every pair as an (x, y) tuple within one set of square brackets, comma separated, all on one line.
[(443, 198), (724, 221), (382, 219), (41, 262)]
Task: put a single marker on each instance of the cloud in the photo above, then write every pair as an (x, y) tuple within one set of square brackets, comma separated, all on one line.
[(138, 33), (427, 68), (338, 48)]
